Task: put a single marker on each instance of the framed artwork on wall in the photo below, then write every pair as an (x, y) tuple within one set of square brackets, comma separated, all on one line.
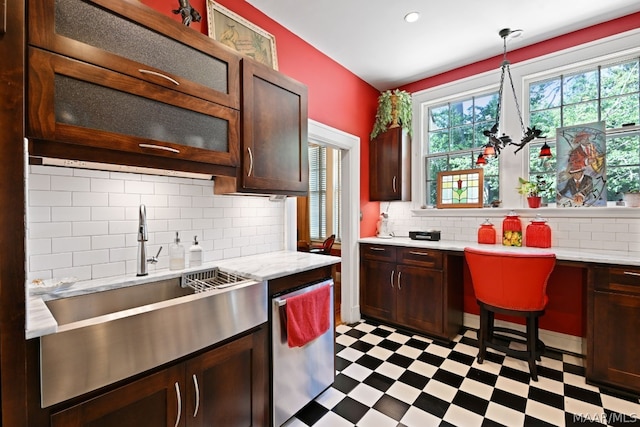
[(460, 189), (241, 35), (581, 173)]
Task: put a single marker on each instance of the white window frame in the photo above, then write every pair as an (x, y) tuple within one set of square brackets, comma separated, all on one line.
[(619, 47)]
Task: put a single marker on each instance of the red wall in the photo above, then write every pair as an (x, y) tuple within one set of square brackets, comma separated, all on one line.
[(337, 97), (340, 99)]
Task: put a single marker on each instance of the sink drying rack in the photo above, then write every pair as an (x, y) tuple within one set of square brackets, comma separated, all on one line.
[(202, 281)]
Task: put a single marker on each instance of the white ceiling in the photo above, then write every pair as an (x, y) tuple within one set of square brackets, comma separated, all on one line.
[(371, 39)]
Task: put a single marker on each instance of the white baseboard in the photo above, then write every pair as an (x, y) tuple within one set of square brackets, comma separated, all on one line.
[(551, 339)]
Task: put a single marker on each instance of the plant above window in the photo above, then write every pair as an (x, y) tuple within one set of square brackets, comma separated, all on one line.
[(394, 109)]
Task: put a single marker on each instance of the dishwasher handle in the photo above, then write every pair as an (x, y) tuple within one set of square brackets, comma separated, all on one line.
[(279, 304)]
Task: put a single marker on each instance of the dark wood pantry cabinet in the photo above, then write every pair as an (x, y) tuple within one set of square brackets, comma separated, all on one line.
[(613, 313), (226, 386), (416, 288), (390, 166)]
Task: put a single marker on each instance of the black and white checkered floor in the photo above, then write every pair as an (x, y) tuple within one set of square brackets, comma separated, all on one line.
[(390, 377)]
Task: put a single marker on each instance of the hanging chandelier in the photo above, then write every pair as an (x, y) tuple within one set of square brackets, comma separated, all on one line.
[(495, 143)]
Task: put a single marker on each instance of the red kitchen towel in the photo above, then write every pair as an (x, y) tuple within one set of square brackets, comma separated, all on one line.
[(308, 316)]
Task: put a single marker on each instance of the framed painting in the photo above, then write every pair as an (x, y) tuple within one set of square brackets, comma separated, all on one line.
[(460, 189), (241, 35), (581, 174)]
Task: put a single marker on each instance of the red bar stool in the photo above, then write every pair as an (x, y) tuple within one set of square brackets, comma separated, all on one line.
[(515, 284)]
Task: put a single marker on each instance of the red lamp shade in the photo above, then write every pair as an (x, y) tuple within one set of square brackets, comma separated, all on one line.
[(545, 151), (489, 151), (481, 161)]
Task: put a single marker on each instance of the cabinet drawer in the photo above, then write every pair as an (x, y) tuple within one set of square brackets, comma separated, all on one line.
[(618, 279), (131, 38), (421, 257), (78, 103), (378, 252)]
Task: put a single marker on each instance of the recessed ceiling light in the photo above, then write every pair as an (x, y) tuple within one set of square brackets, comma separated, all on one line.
[(412, 16)]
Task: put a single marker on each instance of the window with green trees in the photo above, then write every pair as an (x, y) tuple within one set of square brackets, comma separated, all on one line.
[(455, 139), (610, 93)]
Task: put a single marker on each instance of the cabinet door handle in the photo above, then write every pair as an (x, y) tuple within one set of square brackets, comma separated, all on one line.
[(377, 249), (179, 399), (399, 285), (154, 73), (392, 273), (159, 147), (394, 184), (250, 161), (197, 390), (419, 253), (631, 273)]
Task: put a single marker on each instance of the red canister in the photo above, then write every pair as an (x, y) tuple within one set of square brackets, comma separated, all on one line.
[(487, 233), (538, 233), (512, 230)]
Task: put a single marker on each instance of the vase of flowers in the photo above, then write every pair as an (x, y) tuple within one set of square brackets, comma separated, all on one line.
[(533, 190)]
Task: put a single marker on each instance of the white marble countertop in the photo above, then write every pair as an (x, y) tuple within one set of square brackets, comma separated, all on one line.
[(267, 266), (563, 254)]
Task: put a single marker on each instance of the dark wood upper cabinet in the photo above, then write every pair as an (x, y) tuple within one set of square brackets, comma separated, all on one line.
[(131, 38), (120, 77), (390, 166), (274, 148)]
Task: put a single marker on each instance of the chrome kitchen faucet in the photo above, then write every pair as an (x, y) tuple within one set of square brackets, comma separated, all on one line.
[(143, 236)]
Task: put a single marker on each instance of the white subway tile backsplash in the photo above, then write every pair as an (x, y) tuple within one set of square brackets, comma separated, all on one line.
[(40, 214), (38, 230), (90, 228), (139, 187), (39, 246), (84, 258), (90, 199), (50, 261), (105, 213), (40, 182), (49, 198), (70, 183), (77, 213), (167, 188), (107, 270), (71, 244), (100, 185), (119, 199), (581, 231)]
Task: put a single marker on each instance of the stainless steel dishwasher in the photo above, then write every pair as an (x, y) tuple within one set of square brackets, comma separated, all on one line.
[(300, 374)]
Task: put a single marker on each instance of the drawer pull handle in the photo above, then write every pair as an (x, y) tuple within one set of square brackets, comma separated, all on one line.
[(419, 253), (250, 161), (179, 404), (395, 190), (159, 147), (197, 391), (631, 273), (377, 249), (154, 73)]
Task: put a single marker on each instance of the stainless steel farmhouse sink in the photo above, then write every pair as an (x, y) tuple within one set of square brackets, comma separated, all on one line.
[(107, 336)]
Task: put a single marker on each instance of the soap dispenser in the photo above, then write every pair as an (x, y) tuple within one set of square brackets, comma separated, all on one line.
[(195, 253), (176, 254)]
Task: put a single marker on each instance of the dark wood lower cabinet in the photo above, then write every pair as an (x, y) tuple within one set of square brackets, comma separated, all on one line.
[(614, 333), (416, 288), (226, 386)]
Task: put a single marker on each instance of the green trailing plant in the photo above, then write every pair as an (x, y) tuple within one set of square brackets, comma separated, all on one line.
[(385, 113)]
